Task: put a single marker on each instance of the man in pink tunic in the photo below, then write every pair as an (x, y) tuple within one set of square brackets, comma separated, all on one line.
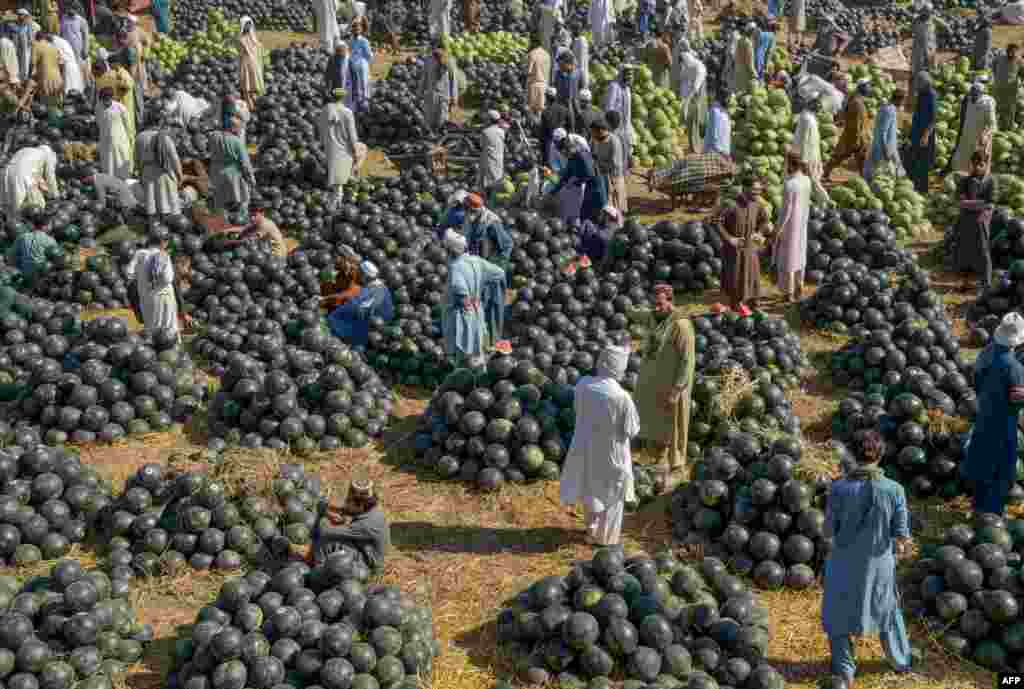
[(790, 249)]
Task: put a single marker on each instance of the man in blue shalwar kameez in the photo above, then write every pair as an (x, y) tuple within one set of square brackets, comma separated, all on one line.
[(486, 233), (990, 467), (351, 320), (867, 518), (474, 304)]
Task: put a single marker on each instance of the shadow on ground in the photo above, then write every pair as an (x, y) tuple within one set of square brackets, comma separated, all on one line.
[(423, 536)]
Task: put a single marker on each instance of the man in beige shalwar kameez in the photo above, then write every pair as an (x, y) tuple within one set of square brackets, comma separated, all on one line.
[(538, 72), (664, 387)]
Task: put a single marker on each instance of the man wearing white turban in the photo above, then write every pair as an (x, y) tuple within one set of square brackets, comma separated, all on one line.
[(598, 469), (473, 310)]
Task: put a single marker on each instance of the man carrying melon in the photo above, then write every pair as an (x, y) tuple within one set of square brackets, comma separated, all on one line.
[(664, 387)]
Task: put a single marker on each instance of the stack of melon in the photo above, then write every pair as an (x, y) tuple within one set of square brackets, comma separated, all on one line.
[(500, 46), (882, 84), (896, 196), (218, 39), (656, 114)]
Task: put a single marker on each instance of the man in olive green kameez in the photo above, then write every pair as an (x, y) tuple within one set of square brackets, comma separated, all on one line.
[(664, 387)]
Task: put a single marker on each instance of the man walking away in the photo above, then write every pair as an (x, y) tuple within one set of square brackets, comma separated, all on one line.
[(598, 469)]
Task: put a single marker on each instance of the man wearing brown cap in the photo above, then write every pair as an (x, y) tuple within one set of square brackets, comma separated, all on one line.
[(359, 523)]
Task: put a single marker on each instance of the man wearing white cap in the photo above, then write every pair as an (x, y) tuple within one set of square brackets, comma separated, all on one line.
[(340, 140), (598, 469), (454, 215), (472, 316), (587, 114), (990, 465), (351, 320), (491, 168), (538, 72)]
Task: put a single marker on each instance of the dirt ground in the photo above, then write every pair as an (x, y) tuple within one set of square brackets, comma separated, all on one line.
[(465, 552)]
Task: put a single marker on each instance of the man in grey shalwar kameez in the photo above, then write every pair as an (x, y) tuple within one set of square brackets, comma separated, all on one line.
[(339, 138), (491, 169), (619, 98), (440, 20), (439, 90), (231, 175), (23, 38), (161, 172)]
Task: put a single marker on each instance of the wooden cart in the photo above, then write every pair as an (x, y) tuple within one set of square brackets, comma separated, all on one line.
[(694, 178), (454, 152)]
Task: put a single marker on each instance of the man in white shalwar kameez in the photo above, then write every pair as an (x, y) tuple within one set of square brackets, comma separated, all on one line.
[(693, 93), (340, 140), (598, 469), (581, 49), (807, 142), (327, 22), (28, 180), (115, 148), (602, 22), (440, 21), (619, 98), (980, 124), (491, 168), (74, 80), (9, 58), (153, 272)]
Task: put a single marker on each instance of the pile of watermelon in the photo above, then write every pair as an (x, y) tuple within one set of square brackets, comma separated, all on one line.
[(914, 350), (747, 506), (855, 300), (657, 621), (968, 590), (165, 520), (48, 501), (320, 627), (94, 380), (894, 196), (502, 422), (847, 239), (70, 629), (921, 456)]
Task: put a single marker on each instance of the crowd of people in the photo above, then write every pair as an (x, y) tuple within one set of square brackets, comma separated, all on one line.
[(589, 150)]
